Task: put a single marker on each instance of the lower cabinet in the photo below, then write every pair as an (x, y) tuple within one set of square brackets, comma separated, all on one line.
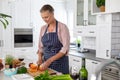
[(28, 53), (91, 66), (74, 61)]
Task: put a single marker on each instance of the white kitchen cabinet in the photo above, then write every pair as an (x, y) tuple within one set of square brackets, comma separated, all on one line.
[(27, 52), (0, 40), (6, 34), (111, 6), (108, 35), (83, 15), (84, 21), (103, 49), (75, 61), (82, 18), (91, 66), (86, 31), (22, 13), (1, 28)]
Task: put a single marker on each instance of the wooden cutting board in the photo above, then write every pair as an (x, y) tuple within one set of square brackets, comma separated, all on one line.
[(38, 72)]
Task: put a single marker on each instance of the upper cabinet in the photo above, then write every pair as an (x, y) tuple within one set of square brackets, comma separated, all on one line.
[(22, 13), (80, 12), (105, 6), (83, 13), (84, 21)]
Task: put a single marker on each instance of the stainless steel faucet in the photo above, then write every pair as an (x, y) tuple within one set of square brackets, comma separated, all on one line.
[(102, 67)]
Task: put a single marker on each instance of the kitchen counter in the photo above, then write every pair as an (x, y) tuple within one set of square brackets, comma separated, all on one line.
[(27, 61), (3, 77), (88, 55)]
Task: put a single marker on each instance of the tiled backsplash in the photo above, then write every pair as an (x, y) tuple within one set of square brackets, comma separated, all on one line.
[(89, 42), (115, 33)]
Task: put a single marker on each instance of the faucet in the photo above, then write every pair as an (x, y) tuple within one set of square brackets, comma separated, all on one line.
[(102, 67)]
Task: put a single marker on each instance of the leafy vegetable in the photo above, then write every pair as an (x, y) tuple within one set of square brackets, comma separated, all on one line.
[(61, 77), (9, 59), (46, 76), (22, 70)]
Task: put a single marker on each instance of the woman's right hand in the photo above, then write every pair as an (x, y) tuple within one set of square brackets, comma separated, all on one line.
[(39, 62)]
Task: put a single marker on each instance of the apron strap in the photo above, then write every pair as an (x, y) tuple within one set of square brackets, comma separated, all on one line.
[(56, 27)]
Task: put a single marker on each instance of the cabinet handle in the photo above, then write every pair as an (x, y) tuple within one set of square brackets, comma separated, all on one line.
[(0, 43), (94, 62), (107, 53), (23, 49), (91, 32), (31, 24), (85, 22), (79, 31), (76, 60)]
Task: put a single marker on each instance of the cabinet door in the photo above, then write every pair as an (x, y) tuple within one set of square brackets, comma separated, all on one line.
[(91, 66), (114, 6), (22, 13), (76, 61), (27, 52), (1, 28), (103, 44), (83, 13), (7, 33), (1, 40), (80, 12), (84, 19), (91, 18)]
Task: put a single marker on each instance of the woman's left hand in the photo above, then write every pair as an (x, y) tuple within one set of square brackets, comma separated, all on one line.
[(45, 65)]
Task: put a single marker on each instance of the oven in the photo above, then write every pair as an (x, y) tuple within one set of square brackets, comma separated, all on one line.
[(111, 72), (23, 37)]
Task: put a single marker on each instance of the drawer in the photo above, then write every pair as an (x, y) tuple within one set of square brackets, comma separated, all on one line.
[(85, 31), (90, 31), (79, 31), (74, 60)]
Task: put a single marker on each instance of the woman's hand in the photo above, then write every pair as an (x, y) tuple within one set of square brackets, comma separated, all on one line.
[(45, 65), (39, 62)]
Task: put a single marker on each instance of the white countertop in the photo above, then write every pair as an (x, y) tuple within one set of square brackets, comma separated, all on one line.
[(3, 77)]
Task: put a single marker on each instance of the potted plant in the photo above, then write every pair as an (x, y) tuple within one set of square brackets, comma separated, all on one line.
[(3, 19), (9, 61), (101, 4)]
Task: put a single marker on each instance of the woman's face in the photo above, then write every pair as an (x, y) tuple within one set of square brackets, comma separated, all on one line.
[(47, 16)]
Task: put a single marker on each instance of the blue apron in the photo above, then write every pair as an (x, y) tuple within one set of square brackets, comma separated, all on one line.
[(51, 46)]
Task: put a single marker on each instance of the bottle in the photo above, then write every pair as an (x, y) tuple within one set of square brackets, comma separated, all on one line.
[(83, 73)]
